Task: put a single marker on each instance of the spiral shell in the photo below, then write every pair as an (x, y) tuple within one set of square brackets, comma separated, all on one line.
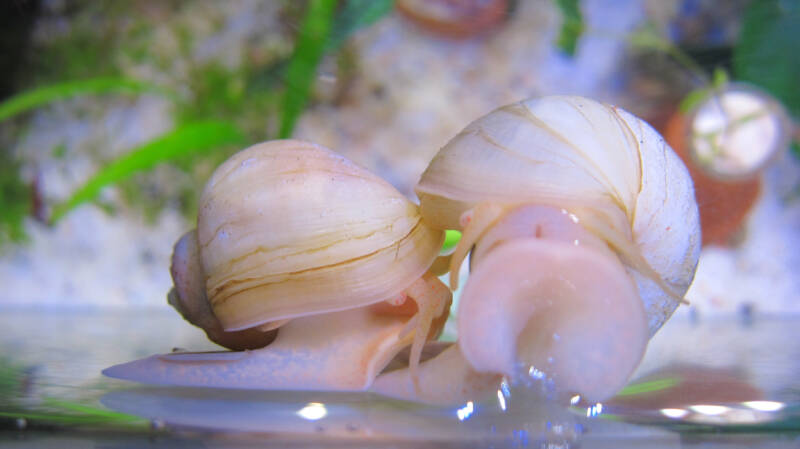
[(599, 162), (290, 228)]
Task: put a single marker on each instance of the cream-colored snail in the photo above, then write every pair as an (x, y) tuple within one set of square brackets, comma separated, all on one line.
[(296, 240), (584, 235), (583, 232)]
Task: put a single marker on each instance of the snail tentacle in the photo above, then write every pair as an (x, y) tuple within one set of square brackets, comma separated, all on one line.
[(433, 300), (474, 222)]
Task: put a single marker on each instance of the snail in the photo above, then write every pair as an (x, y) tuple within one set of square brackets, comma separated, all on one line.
[(583, 232), (580, 221), (315, 270)]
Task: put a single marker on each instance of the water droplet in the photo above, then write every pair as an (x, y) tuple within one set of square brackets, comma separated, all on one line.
[(535, 373), (594, 410), (504, 388), (157, 424), (556, 337), (501, 400), (528, 414), (550, 360), (21, 423)]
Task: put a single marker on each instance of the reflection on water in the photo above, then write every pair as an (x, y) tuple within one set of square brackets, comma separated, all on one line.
[(696, 377)]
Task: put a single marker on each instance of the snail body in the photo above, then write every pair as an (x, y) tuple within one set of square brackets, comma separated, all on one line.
[(562, 184), (288, 231)]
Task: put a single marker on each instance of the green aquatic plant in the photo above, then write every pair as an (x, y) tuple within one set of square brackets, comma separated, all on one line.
[(766, 54), (354, 15), (694, 98), (74, 414), (572, 25), (51, 411), (648, 386), (301, 70), (11, 378), (451, 239), (223, 106), (323, 29), (15, 200), (186, 140), (43, 95)]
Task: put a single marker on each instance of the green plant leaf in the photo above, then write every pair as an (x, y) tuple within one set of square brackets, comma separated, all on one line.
[(11, 377), (78, 410), (354, 15), (451, 238), (301, 71), (693, 99), (768, 49), (76, 419), (186, 140), (39, 96), (571, 25), (16, 200), (649, 386)]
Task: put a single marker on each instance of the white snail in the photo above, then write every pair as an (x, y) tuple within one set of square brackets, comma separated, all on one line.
[(293, 238), (585, 234)]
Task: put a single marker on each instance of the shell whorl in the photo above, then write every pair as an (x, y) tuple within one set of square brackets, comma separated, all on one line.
[(289, 228), (595, 160)]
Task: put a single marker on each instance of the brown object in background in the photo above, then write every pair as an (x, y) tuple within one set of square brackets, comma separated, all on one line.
[(723, 205), (454, 18)]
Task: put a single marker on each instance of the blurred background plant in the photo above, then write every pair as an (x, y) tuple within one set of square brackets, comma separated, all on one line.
[(216, 109)]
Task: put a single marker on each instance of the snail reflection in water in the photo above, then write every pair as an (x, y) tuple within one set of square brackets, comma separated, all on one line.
[(584, 236)]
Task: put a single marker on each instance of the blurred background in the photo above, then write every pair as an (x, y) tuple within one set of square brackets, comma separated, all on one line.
[(114, 114)]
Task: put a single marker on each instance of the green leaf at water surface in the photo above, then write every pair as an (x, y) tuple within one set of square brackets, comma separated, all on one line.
[(768, 49), (571, 25), (310, 45), (189, 139), (39, 96), (88, 416), (649, 386)]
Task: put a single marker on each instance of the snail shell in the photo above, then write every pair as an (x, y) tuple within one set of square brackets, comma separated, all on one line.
[(584, 235), (289, 228), (294, 245), (601, 163)]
